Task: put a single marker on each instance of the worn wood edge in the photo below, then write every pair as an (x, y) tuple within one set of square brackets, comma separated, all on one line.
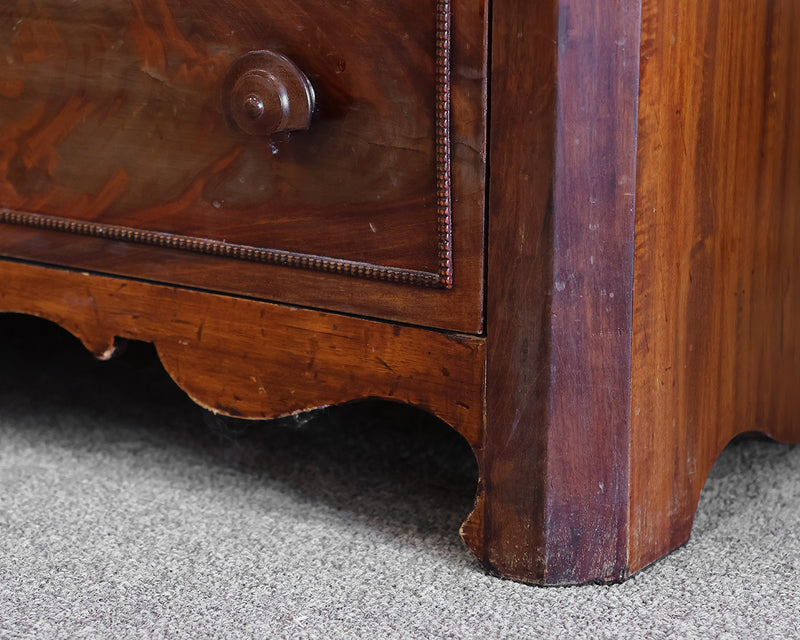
[(588, 442), (472, 529), (519, 270), (218, 350)]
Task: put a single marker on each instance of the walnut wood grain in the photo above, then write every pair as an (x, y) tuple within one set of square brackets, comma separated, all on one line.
[(257, 360), (111, 124), (716, 348)]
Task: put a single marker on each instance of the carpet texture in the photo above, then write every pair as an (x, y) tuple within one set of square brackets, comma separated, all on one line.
[(125, 512)]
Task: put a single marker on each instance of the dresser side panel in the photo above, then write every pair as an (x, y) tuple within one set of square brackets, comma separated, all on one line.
[(717, 300)]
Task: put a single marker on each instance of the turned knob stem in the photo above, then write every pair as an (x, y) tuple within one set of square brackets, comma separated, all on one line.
[(254, 107), (265, 93)]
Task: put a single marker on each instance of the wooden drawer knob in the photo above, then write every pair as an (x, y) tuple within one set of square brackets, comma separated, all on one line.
[(265, 93)]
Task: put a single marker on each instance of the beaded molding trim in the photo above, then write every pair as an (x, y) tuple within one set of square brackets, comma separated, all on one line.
[(443, 278)]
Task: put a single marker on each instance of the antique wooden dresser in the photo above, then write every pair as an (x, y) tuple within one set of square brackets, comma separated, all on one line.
[(570, 229)]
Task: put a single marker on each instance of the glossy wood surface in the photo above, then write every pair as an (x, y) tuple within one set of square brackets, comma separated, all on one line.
[(717, 300), (111, 115), (116, 116)]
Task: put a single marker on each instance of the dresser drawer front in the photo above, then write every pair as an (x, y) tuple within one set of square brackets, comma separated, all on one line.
[(113, 125)]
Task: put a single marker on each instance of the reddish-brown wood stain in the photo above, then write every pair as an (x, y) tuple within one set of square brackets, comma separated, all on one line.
[(717, 294), (112, 117)]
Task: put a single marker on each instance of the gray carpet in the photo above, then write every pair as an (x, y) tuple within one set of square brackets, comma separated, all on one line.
[(125, 513)]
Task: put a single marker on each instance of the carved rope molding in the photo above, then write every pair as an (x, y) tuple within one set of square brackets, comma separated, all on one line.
[(443, 278)]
